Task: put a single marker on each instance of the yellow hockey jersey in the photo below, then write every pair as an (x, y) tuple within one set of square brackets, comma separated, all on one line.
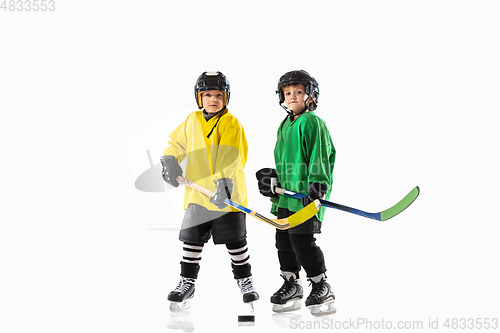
[(213, 149)]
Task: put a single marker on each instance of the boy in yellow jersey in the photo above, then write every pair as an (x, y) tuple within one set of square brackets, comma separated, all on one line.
[(213, 143)]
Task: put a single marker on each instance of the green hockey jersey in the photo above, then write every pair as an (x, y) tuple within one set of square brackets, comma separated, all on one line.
[(304, 154)]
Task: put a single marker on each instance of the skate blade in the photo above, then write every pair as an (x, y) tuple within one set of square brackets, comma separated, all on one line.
[(324, 309), (180, 306), (294, 306), (251, 305)]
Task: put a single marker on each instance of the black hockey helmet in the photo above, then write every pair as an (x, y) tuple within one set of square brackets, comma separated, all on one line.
[(211, 81), (299, 76)]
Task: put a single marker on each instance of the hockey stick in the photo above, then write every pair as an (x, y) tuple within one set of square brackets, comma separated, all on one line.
[(294, 220), (380, 216)]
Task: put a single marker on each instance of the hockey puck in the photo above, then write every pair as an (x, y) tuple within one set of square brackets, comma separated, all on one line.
[(246, 319)]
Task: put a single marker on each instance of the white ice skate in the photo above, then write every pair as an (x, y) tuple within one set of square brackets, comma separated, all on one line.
[(249, 292), (320, 301), (289, 296), (181, 296)]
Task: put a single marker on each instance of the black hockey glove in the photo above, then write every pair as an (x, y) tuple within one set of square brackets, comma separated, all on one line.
[(267, 179), (170, 170), (223, 191), (314, 191)]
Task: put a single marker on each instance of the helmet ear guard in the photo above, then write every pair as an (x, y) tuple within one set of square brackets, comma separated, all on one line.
[(313, 97), (211, 81)]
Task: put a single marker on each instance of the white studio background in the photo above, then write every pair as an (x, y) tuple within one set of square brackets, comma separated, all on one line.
[(409, 90)]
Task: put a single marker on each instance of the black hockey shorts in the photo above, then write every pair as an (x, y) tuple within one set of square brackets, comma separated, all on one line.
[(199, 224), (297, 247)]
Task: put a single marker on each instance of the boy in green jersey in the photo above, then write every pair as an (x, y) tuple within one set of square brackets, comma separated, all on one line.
[(304, 157)]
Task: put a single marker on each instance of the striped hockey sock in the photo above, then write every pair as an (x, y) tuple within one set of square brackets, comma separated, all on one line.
[(239, 256), (191, 253)]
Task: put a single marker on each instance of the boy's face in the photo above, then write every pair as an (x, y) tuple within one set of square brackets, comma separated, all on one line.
[(212, 100), (295, 97)]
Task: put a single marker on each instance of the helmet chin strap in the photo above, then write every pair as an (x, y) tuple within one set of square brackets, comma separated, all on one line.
[(290, 115), (220, 112), (293, 115)]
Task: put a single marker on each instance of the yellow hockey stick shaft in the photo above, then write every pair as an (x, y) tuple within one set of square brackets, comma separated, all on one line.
[(292, 221)]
